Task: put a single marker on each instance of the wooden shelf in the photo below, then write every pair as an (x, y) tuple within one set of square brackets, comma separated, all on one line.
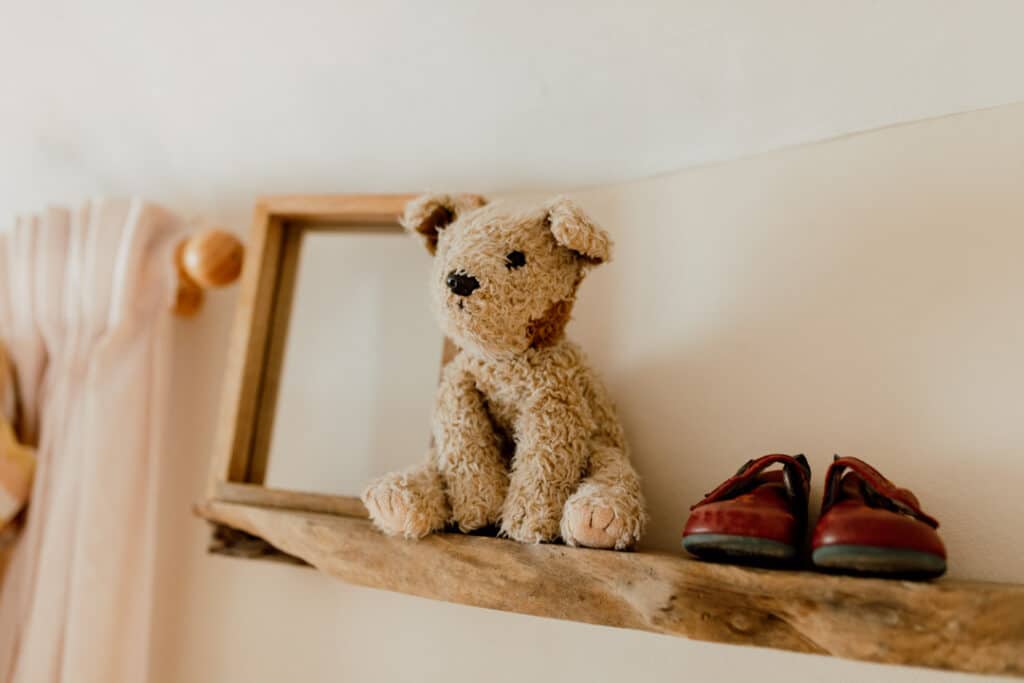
[(956, 625)]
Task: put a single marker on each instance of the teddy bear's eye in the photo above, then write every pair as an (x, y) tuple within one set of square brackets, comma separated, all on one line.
[(515, 259)]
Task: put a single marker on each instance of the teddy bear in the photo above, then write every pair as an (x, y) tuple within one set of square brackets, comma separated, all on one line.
[(525, 437)]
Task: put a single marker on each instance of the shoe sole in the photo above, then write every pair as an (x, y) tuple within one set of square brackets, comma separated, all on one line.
[(739, 549), (874, 561)]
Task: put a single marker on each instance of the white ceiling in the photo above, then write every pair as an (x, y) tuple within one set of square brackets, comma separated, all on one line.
[(196, 102)]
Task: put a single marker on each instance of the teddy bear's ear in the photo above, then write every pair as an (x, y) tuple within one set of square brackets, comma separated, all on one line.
[(431, 213), (573, 229)]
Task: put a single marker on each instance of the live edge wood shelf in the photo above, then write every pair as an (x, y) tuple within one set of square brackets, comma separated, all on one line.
[(946, 624)]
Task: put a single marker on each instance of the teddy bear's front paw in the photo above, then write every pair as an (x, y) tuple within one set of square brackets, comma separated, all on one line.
[(472, 517), (526, 532), (527, 526), (476, 501)]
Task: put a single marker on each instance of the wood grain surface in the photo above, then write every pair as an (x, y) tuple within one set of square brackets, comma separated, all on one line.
[(962, 626)]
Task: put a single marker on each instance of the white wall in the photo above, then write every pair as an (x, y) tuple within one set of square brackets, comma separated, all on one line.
[(856, 296), (205, 104)]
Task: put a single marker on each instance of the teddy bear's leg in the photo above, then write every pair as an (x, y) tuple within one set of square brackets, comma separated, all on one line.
[(468, 452), (409, 503), (607, 510)]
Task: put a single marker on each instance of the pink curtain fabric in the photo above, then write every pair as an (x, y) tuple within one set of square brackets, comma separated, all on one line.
[(85, 297)]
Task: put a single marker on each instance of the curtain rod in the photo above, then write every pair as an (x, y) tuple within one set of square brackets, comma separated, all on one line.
[(209, 259)]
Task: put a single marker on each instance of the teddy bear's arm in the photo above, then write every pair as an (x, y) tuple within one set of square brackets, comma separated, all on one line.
[(468, 451), (552, 444)]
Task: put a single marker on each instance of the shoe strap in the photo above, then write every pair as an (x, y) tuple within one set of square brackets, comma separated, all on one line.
[(879, 491), (794, 467)]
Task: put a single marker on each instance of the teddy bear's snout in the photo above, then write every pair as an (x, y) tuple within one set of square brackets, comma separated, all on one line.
[(461, 284)]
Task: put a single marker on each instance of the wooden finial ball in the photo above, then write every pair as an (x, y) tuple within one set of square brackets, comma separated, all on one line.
[(213, 258)]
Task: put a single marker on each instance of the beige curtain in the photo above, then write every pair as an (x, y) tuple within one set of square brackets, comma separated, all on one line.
[(84, 308)]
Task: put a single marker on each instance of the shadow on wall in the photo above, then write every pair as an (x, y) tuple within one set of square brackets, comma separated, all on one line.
[(859, 297)]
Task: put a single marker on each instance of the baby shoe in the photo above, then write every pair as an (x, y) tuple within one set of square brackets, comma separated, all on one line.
[(869, 526), (754, 517)]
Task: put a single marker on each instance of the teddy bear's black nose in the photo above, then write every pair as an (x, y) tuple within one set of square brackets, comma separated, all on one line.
[(461, 284)]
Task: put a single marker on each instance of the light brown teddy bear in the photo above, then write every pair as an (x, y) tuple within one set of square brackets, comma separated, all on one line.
[(525, 435)]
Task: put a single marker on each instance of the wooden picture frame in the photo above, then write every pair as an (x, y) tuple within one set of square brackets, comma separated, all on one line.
[(259, 335)]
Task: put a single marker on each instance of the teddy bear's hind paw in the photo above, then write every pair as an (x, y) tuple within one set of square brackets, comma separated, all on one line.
[(398, 509), (596, 526)]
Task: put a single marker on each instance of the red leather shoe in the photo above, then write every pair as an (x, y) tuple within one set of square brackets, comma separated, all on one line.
[(869, 526), (755, 517)]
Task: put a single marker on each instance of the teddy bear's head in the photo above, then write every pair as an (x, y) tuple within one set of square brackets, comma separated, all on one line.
[(504, 279)]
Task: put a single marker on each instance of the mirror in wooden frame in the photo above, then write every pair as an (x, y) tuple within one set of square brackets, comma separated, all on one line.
[(334, 357)]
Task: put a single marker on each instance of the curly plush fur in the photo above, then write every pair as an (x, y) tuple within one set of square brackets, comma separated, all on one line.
[(525, 435)]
